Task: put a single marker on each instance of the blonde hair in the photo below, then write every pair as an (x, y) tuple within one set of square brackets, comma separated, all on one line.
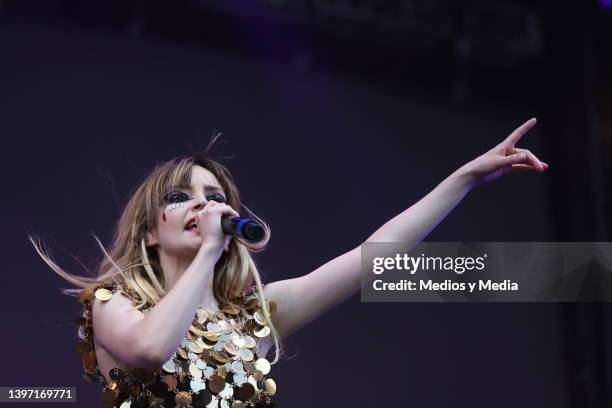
[(130, 260)]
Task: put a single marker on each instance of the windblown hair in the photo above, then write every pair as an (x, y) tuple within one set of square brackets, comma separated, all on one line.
[(130, 260)]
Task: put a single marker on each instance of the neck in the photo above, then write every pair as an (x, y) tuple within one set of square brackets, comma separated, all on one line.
[(173, 269)]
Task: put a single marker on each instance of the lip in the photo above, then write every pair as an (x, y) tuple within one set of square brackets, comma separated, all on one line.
[(191, 221)]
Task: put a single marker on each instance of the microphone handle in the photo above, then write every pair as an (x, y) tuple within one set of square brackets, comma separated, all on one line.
[(247, 228)]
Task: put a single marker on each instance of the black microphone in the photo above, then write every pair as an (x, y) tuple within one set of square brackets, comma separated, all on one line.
[(246, 228)]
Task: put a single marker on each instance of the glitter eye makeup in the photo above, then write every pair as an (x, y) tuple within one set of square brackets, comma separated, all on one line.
[(174, 206), (215, 197), (176, 197)]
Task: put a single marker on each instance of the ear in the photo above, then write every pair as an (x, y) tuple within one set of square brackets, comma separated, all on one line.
[(151, 239)]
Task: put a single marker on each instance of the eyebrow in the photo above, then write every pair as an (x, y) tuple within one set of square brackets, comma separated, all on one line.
[(206, 186)]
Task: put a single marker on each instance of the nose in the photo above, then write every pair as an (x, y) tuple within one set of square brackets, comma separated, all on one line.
[(199, 203)]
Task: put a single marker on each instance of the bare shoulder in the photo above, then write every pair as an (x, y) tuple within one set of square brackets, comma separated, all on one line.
[(118, 303), (114, 318)]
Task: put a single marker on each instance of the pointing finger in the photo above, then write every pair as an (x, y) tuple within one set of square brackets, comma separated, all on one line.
[(515, 136)]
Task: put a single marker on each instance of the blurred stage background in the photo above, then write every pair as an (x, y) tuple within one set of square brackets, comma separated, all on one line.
[(340, 113)]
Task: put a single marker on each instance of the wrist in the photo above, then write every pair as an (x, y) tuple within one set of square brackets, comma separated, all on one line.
[(466, 176), (204, 261), (209, 250)]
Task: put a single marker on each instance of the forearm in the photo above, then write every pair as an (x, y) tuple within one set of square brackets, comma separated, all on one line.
[(167, 322), (415, 223)]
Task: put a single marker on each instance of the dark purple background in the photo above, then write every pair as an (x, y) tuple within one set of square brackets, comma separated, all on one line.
[(86, 112)]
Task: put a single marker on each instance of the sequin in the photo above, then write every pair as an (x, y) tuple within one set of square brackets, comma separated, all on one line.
[(240, 378), (116, 374), (170, 366), (263, 365), (249, 367), (213, 327), (246, 354), (103, 294), (270, 386), (170, 381), (222, 371), (237, 367), (195, 371), (263, 332), (181, 353), (227, 392), (205, 345), (83, 347), (201, 398), (195, 347), (215, 362), (231, 309), (89, 361), (203, 315), (252, 303), (218, 356), (108, 399), (245, 392), (183, 398), (231, 348), (156, 402), (223, 325), (208, 372), (211, 335), (249, 342), (259, 318), (216, 383), (197, 385), (239, 341)]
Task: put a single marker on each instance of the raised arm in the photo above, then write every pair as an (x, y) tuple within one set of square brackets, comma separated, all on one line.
[(301, 300), (148, 341)]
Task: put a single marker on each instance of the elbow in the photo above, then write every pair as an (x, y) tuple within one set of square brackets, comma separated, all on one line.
[(149, 356), (151, 351)]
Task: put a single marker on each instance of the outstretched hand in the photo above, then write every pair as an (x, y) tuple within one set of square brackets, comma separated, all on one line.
[(505, 157)]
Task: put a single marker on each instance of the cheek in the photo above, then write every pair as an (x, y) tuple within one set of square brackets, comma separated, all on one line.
[(171, 222)]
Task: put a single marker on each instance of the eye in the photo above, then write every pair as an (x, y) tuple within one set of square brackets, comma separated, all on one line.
[(176, 197), (215, 197)]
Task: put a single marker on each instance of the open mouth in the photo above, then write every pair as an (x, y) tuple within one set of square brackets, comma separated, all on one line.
[(191, 225)]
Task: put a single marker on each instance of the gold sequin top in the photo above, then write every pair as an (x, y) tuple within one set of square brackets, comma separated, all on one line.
[(216, 368)]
